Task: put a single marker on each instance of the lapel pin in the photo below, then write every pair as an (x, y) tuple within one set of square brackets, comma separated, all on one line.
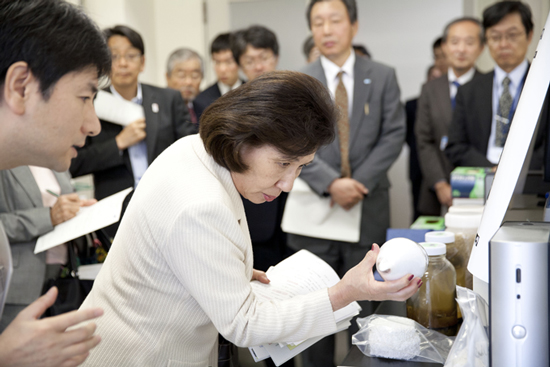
[(366, 81), (367, 109), (155, 107)]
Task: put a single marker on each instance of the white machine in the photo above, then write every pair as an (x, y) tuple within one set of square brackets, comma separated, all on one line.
[(519, 255)]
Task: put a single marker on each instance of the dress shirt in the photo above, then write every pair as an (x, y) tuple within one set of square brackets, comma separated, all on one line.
[(224, 88), (463, 79), (331, 74), (516, 77), (137, 152), (46, 181)]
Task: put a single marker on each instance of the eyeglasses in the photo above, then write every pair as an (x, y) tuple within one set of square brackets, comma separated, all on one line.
[(133, 57), (250, 63), (510, 37)]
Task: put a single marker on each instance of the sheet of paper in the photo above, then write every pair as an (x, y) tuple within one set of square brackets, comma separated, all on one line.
[(88, 219), (259, 353), (116, 110), (89, 272), (515, 150), (308, 214), (300, 274), (6, 267)]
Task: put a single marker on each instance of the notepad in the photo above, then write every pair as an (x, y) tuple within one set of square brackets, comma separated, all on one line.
[(89, 219)]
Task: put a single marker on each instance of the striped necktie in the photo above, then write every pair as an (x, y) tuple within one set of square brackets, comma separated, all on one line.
[(503, 114)]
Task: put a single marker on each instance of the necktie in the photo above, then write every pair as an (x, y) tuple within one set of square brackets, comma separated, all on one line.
[(503, 114), (341, 97), (192, 114), (453, 100)]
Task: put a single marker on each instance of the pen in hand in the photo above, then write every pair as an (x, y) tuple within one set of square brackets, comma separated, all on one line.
[(52, 193)]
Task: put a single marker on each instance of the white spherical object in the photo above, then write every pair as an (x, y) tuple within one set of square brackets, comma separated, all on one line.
[(399, 257)]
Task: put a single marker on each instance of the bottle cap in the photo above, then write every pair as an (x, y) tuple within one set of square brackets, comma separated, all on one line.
[(439, 236), (434, 248)]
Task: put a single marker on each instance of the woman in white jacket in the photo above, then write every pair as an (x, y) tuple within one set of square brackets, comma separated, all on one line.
[(180, 267)]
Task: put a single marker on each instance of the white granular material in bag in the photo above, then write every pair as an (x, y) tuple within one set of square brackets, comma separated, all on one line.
[(391, 339)]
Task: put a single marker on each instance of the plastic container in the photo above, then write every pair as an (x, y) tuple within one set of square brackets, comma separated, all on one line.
[(464, 226), (466, 209), (434, 305)]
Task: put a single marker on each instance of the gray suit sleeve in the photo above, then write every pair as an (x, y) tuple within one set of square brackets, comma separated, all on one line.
[(427, 145), (319, 175), (26, 225), (390, 140)]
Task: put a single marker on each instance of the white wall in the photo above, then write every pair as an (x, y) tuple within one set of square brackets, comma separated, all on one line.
[(165, 25)]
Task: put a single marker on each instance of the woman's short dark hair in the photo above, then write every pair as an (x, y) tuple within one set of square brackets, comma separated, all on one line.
[(496, 12), (121, 30), (287, 110), (53, 37)]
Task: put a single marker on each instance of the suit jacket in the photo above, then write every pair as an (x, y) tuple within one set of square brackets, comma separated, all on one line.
[(471, 126), (180, 269), (432, 124), (111, 168), (25, 219), (205, 99), (377, 133)]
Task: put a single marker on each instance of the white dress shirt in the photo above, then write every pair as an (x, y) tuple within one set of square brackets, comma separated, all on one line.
[(516, 78), (463, 79), (224, 88), (331, 74)]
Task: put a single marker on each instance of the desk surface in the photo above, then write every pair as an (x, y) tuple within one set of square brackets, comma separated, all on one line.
[(356, 358)]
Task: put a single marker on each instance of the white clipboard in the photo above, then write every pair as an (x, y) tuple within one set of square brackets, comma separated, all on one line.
[(6, 268), (308, 214)]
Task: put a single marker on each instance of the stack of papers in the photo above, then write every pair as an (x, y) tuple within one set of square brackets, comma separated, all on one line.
[(299, 274)]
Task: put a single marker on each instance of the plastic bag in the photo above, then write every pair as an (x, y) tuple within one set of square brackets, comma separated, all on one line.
[(471, 346), (400, 338)]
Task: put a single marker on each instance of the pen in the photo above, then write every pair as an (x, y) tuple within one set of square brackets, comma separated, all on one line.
[(52, 193)]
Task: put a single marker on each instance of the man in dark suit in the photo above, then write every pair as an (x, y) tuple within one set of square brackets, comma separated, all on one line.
[(462, 44), (226, 69), (118, 157), (368, 93), (486, 105)]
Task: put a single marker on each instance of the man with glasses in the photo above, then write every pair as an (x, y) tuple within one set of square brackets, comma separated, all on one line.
[(184, 72), (486, 105), (256, 50), (119, 156)]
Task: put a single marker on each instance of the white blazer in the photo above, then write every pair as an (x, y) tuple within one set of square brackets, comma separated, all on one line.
[(179, 271)]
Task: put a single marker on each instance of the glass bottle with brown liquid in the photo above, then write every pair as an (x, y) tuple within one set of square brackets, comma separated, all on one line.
[(434, 305)]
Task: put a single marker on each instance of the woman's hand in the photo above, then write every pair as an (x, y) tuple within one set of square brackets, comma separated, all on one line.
[(260, 276), (358, 284)]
